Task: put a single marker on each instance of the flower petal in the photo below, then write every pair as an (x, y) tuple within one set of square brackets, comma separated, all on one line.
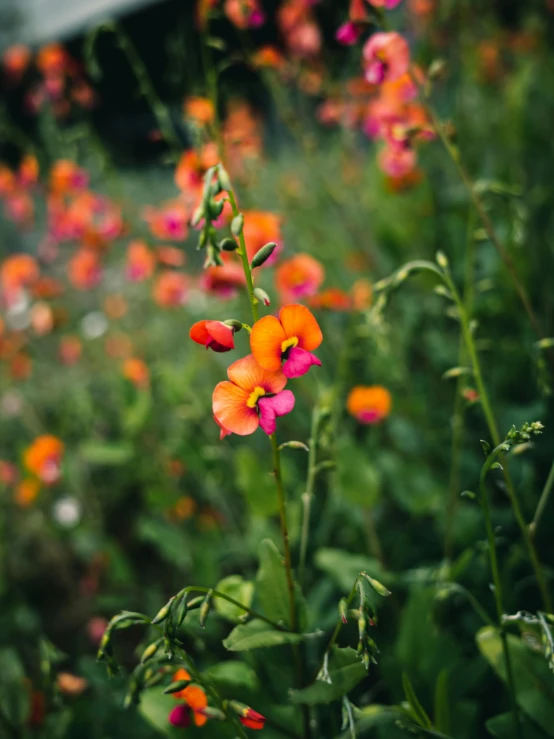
[(299, 362), (222, 334), (230, 409), (180, 716), (199, 332), (271, 408), (265, 341), (297, 320), (247, 374)]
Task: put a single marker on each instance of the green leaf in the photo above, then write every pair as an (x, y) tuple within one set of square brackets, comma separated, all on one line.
[(136, 415), (106, 454), (257, 634), (155, 707), (418, 712), (343, 568), (345, 670), (271, 584), (233, 674), (534, 683), (502, 727), (235, 587), (442, 707)]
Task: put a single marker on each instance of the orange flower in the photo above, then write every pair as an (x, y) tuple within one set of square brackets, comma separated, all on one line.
[(52, 60), (268, 56), (289, 339), (70, 349), (136, 371), (299, 277), (17, 272), (184, 508), (369, 404), (170, 256), (42, 318), (253, 397), (260, 227), (195, 702), (214, 335), (26, 492), (244, 13), (170, 289), (248, 716), (43, 458), (7, 181), (141, 262), (180, 674), (16, 60), (69, 684), (170, 221), (85, 271), (28, 171), (224, 280), (361, 294), (333, 299), (66, 175), (201, 110)]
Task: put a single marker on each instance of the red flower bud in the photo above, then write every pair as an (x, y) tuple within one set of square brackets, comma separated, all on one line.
[(214, 335)]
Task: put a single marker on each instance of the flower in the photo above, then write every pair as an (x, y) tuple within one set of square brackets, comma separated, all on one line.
[(244, 13), (141, 261), (386, 57), (170, 289), (248, 716), (43, 458), (26, 491), (170, 221), (224, 280), (136, 371), (15, 61), (388, 4), (70, 684), (214, 335), (349, 33), (17, 272), (67, 176), (195, 702), (85, 270), (369, 404), (253, 397), (199, 109), (260, 227), (299, 277), (289, 339)]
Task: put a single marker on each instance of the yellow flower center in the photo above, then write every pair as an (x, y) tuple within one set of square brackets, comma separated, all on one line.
[(255, 395), (289, 343)]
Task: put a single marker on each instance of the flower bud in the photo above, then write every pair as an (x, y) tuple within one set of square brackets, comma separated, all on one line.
[(176, 686), (224, 179), (263, 254), (228, 245), (233, 323), (197, 216), (205, 609), (247, 716), (379, 588), (442, 261), (163, 612), (262, 296), (150, 651), (237, 225), (437, 69), (343, 608)]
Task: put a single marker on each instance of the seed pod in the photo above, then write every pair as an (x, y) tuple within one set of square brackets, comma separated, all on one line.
[(205, 609), (151, 650), (294, 445), (163, 612), (177, 686), (223, 178), (343, 609), (237, 225), (197, 216), (233, 323), (228, 245), (263, 254), (442, 261), (262, 296), (376, 585)]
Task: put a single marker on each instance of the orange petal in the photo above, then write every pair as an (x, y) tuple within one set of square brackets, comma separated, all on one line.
[(298, 321), (248, 374), (230, 409), (195, 697), (265, 341)]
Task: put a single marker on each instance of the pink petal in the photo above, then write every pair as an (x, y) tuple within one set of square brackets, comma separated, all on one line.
[(299, 362), (180, 716), (348, 34), (271, 408)]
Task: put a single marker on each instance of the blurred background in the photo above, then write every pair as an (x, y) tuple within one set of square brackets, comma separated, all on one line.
[(110, 114)]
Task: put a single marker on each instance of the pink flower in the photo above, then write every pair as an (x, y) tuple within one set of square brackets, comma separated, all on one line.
[(396, 161), (386, 57), (348, 34), (388, 4)]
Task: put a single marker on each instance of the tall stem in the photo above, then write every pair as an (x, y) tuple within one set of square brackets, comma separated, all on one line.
[(495, 436), (307, 497), (545, 496), (244, 259), (284, 527), (498, 593)]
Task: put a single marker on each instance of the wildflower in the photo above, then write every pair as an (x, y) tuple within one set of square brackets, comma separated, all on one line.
[(288, 339), (52, 60), (225, 280), (397, 162), (69, 684), (136, 371), (369, 404), (15, 61), (386, 57), (387, 4), (214, 335), (17, 272), (333, 299), (361, 294), (8, 472), (169, 221), (42, 318), (66, 176), (170, 289), (85, 270), (28, 171), (141, 261), (244, 13), (43, 458), (299, 277), (180, 674), (115, 306), (26, 492), (261, 227), (253, 397), (195, 702), (200, 110), (170, 256), (248, 716), (349, 33)]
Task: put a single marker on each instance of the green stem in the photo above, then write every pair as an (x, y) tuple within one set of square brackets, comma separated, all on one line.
[(495, 436), (498, 588), (307, 497), (250, 611), (545, 496), (284, 527), (244, 258), (211, 79)]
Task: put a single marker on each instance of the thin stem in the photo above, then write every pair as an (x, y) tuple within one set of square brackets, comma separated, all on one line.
[(307, 497), (483, 215), (244, 258), (250, 611), (498, 590), (545, 497), (495, 436), (284, 528), (211, 79)]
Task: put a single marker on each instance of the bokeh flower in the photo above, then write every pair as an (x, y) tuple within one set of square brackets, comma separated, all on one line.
[(253, 397), (299, 277), (386, 57), (194, 702), (369, 404), (288, 340), (136, 371), (43, 458), (141, 261)]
